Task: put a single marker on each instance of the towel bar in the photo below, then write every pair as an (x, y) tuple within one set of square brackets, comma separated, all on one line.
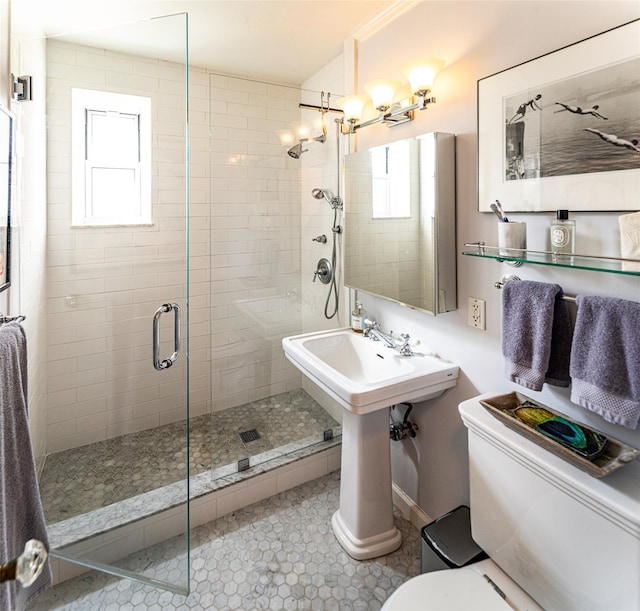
[(4, 318), (512, 278)]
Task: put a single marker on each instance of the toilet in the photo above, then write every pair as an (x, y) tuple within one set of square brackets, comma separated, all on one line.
[(557, 538)]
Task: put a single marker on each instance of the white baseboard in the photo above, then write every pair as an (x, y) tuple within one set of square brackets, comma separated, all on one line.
[(410, 510)]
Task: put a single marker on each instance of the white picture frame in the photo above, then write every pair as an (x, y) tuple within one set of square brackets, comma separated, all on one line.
[(558, 103)]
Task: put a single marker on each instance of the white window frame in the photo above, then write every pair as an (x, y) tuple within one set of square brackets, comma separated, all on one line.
[(85, 103), (391, 180)]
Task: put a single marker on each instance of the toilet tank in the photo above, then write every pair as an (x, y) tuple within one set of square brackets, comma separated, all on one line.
[(570, 540)]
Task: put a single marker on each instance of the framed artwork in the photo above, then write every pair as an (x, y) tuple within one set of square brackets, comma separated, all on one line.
[(6, 158), (562, 131)]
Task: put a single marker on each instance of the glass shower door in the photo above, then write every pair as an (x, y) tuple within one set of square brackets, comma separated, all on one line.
[(259, 413), (115, 485)]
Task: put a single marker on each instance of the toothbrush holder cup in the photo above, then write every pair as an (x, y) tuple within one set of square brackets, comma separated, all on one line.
[(512, 236)]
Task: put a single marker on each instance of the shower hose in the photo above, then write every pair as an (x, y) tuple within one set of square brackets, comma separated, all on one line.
[(333, 287)]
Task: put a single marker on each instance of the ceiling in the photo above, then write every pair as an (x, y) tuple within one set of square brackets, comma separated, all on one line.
[(285, 41)]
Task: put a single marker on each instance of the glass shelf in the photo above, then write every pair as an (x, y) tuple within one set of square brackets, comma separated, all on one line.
[(613, 265)]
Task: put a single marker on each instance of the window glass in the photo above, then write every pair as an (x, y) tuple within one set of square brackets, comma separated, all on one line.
[(111, 158)]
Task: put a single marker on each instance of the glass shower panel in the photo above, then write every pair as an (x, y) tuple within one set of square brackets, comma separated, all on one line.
[(259, 413), (115, 484)]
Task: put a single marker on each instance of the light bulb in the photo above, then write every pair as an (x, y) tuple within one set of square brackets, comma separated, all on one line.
[(421, 73), (352, 106), (382, 92)]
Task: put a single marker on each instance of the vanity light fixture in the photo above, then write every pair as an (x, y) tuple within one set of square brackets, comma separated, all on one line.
[(394, 105)]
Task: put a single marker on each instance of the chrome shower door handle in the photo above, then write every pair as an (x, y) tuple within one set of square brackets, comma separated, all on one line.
[(166, 363)]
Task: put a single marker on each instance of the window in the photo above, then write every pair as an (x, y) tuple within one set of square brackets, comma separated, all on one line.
[(391, 181), (111, 153)]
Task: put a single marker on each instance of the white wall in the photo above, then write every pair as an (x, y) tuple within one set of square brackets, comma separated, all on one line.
[(477, 39)]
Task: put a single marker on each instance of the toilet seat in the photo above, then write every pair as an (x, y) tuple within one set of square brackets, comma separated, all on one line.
[(462, 589)]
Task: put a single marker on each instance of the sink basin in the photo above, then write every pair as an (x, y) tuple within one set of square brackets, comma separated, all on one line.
[(364, 375)]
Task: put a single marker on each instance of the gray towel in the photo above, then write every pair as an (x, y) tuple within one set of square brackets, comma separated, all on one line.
[(536, 334), (21, 516), (605, 359)]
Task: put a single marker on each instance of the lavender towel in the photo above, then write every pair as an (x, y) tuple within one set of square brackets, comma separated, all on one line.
[(536, 334), (21, 516), (605, 359)]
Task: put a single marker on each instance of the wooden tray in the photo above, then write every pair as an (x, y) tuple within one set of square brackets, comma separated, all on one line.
[(615, 452)]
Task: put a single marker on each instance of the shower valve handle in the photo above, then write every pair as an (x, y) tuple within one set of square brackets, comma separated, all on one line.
[(323, 271)]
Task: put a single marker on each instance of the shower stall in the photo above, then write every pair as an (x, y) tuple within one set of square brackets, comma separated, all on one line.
[(166, 375)]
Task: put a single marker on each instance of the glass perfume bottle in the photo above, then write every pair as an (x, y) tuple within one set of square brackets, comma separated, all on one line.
[(563, 233)]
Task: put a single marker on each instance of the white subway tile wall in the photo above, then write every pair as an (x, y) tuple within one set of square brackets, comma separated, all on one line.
[(104, 284), (255, 239)]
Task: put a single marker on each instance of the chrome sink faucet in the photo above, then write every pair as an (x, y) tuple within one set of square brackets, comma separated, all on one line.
[(372, 330)]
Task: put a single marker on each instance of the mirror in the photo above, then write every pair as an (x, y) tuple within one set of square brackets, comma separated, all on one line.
[(399, 239), (6, 153)]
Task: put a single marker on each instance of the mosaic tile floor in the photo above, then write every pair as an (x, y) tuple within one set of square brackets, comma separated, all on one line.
[(83, 479), (277, 554)]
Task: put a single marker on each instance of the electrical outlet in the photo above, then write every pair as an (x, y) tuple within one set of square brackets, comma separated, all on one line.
[(477, 313)]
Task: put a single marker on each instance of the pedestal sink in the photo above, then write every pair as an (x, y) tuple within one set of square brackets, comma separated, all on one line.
[(366, 377)]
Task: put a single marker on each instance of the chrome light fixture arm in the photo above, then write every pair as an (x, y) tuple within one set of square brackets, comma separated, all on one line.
[(396, 114)]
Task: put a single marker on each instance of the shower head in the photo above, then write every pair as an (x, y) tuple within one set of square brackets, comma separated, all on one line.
[(320, 194), (334, 202), (296, 150)]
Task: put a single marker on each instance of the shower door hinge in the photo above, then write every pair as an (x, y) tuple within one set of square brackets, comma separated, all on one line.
[(22, 88)]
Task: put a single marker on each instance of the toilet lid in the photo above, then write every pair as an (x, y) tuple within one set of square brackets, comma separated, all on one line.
[(450, 590)]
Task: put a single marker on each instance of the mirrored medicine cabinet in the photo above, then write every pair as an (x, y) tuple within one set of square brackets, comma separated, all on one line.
[(399, 240)]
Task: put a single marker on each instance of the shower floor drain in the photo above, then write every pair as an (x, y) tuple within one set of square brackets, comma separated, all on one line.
[(250, 435)]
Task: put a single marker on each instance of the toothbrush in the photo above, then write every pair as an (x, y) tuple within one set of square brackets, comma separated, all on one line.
[(497, 209)]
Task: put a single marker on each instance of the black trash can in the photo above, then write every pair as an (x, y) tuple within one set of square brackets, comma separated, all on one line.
[(447, 542)]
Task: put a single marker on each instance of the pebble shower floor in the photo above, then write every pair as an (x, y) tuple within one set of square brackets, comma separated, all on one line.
[(83, 479), (276, 554)]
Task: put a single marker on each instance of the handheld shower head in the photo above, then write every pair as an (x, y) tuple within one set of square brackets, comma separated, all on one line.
[(334, 202), (321, 194)]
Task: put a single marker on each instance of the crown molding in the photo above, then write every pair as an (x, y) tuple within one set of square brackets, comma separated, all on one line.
[(368, 29)]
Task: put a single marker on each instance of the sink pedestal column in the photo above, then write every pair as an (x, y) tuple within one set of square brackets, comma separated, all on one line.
[(364, 524)]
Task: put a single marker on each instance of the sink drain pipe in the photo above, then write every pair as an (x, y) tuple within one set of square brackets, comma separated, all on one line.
[(401, 430)]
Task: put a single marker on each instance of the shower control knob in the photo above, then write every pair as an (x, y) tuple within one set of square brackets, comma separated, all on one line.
[(321, 238), (323, 271)]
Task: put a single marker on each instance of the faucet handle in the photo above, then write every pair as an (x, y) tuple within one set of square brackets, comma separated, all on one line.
[(370, 324), (405, 349)]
